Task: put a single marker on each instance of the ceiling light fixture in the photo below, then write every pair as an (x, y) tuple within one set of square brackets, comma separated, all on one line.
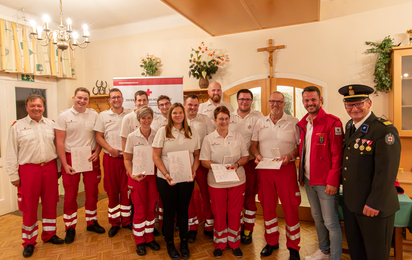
[(61, 37)]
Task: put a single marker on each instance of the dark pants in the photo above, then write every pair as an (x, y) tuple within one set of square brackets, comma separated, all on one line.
[(369, 238), (175, 200)]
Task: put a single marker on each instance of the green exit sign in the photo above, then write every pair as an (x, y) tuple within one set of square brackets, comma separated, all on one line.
[(25, 77)]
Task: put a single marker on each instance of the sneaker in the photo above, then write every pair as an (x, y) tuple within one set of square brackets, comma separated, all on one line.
[(95, 227), (70, 233), (218, 253), (318, 255), (294, 254), (191, 236), (246, 237)]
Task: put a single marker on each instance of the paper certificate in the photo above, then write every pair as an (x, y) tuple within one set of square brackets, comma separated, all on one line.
[(180, 166), (222, 174), (114, 140), (80, 156), (269, 163), (143, 160)]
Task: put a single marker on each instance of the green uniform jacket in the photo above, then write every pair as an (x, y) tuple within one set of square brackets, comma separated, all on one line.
[(368, 175)]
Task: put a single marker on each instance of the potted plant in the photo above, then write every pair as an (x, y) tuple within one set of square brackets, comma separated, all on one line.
[(150, 64), (205, 62)]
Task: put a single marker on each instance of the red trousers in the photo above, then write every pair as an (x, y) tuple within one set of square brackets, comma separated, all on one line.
[(282, 183), (201, 179), (249, 214), (38, 180), (115, 184), (144, 196), (91, 181), (227, 206)]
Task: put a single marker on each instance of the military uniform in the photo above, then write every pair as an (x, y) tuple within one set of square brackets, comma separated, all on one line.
[(371, 158)]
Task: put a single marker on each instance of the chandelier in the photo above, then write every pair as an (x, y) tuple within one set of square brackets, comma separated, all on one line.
[(61, 37)]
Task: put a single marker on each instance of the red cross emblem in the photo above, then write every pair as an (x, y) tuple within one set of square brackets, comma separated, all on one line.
[(148, 92)]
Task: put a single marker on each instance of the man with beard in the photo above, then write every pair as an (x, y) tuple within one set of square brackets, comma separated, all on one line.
[(273, 135), (320, 170), (163, 103), (203, 126), (115, 178), (215, 95), (371, 155), (243, 120)]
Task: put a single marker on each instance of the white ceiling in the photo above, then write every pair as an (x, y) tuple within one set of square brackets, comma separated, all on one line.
[(97, 14)]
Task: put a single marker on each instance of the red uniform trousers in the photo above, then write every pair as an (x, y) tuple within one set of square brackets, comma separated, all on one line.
[(91, 181), (115, 184), (227, 206), (38, 180), (249, 214), (282, 183), (144, 196), (201, 180)]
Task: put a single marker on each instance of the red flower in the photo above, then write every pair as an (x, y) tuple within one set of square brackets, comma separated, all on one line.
[(200, 48)]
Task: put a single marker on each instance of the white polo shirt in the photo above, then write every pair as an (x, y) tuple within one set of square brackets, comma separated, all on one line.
[(202, 124), (129, 124), (78, 128), (29, 142), (308, 144), (284, 135), (215, 148), (158, 122), (207, 108), (244, 126), (179, 143), (109, 123), (137, 139)]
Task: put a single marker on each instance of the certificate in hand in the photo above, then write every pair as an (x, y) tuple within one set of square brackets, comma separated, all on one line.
[(143, 160), (80, 156), (224, 175), (269, 163), (180, 166)]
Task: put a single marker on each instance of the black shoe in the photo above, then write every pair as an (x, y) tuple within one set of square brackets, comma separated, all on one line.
[(70, 233), (294, 254), (191, 236), (153, 245), (208, 233), (218, 253), (113, 231), (184, 248), (95, 227), (237, 252), (268, 249), (55, 240), (141, 249), (156, 233), (130, 226), (172, 251), (246, 237), (28, 250)]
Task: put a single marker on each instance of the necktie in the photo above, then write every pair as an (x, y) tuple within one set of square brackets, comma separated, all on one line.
[(352, 130)]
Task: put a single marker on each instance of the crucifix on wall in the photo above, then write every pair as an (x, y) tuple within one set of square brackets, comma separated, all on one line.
[(271, 49)]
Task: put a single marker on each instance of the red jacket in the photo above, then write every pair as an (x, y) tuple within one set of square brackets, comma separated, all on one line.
[(325, 150)]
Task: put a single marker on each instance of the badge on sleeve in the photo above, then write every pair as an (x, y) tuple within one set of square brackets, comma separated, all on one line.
[(390, 139), (338, 130)]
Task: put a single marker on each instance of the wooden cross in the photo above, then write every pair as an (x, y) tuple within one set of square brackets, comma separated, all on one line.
[(271, 49)]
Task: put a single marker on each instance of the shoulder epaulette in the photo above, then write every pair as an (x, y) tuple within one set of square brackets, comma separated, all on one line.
[(384, 121), (13, 123)]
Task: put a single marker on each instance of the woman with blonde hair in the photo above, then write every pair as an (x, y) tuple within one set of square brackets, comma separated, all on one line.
[(177, 135)]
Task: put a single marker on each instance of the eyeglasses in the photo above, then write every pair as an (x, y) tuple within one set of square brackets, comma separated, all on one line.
[(164, 105), (357, 105), (222, 119), (116, 97), (279, 102), (245, 99)]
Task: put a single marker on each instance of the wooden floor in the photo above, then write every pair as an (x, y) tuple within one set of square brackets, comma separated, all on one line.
[(89, 245)]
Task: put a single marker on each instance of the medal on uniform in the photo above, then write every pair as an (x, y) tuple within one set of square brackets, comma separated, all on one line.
[(362, 147), (356, 146), (369, 148)]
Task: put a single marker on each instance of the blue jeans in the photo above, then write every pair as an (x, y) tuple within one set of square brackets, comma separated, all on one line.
[(324, 210)]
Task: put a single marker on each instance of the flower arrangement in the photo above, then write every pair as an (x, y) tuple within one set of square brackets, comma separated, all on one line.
[(150, 64), (205, 62)]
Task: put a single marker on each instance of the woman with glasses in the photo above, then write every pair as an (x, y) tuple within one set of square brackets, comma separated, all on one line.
[(226, 197), (143, 187), (177, 135)]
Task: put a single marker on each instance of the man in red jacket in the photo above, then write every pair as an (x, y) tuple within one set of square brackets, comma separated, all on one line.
[(320, 152)]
